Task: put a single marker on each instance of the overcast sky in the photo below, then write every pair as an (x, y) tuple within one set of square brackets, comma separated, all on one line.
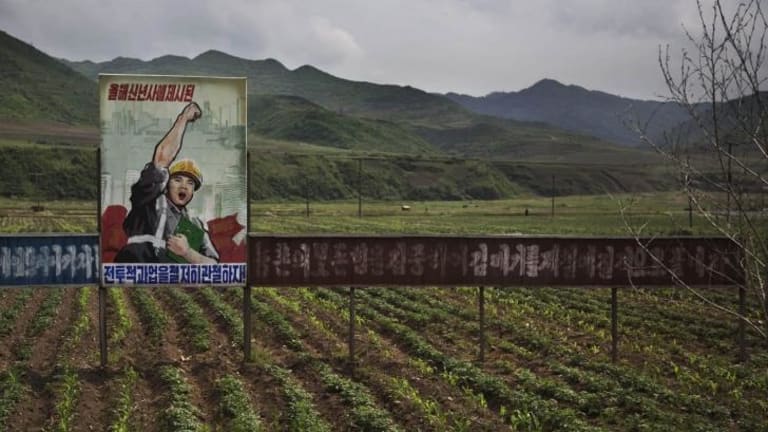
[(465, 46)]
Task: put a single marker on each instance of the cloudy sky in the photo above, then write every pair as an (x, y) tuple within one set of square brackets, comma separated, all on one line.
[(466, 46)]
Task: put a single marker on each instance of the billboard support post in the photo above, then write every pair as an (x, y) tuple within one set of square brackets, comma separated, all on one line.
[(247, 313), (102, 289)]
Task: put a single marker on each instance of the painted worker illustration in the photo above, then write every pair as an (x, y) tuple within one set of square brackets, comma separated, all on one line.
[(158, 227)]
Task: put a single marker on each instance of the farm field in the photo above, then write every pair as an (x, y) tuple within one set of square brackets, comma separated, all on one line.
[(176, 360)]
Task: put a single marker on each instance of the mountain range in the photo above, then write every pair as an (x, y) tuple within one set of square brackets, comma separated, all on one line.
[(577, 109), (305, 110)]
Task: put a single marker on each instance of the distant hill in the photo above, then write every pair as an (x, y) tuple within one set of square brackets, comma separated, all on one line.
[(305, 122), (413, 120), (36, 87), (577, 109), (271, 77), (293, 118)]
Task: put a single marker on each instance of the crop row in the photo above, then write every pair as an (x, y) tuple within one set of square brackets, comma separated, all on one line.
[(537, 336)]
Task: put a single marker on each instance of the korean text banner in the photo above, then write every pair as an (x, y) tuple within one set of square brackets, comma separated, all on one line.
[(49, 260), (173, 180)]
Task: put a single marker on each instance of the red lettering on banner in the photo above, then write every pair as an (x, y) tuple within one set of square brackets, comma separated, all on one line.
[(160, 92), (151, 92), (113, 89), (122, 93), (189, 91)]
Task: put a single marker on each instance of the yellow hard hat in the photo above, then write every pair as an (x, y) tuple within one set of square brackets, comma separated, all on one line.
[(188, 167)]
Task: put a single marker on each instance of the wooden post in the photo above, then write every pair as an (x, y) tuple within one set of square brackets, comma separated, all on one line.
[(481, 307), (351, 339), (614, 325), (742, 326)]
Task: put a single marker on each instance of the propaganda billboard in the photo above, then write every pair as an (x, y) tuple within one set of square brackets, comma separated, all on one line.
[(173, 180)]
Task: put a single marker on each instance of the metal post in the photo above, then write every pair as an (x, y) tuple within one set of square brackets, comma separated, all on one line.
[(742, 326), (614, 325), (103, 325), (360, 188), (481, 306), (351, 340), (247, 313), (103, 354)]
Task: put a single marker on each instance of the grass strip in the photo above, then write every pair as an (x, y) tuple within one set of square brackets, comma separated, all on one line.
[(179, 414), (232, 318), (67, 387), (11, 390), (151, 314), (123, 322), (236, 406), (8, 316), (123, 404), (196, 326), (302, 415)]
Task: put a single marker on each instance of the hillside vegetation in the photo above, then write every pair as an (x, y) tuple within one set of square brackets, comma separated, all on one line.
[(307, 130), (405, 117), (296, 119), (34, 86)]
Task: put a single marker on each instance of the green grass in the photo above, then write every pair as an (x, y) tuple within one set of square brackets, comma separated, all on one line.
[(660, 213)]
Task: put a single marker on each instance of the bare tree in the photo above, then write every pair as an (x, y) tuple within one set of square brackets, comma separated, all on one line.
[(722, 154)]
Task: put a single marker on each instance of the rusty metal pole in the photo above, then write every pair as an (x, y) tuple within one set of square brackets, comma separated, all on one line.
[(481, 307), (614, 325), (742, 325), (351, 340)]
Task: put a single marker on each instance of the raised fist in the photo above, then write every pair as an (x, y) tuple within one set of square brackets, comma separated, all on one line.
[(191, 112)]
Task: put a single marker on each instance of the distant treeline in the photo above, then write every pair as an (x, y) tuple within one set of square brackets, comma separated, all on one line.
[(71, 173)]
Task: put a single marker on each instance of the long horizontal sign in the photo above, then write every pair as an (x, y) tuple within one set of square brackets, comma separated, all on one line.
[(489, 261), (30, 259), (73, 259)]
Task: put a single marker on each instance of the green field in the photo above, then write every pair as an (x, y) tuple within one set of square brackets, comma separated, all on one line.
[(660, 213), (175, 359)]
